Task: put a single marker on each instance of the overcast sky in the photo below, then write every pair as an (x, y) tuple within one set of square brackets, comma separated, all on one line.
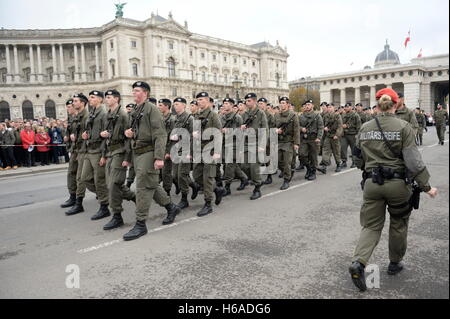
[(322, 36)]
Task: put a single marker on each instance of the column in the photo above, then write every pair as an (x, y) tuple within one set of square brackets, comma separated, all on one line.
[(357, 95), (8, 65), (75, 55), (83, 64), (55, 71), (343, 97), (412, 95), (325, 96), (97, 64), (40, 76), (62, 74), (373, 101), (32, 72), (16, 65)]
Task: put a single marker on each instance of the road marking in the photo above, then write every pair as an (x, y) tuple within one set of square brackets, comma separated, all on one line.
[(281, 191), (344, 172)]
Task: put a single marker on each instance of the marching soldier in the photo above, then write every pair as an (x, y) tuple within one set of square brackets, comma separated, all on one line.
[(384, 162), (205, 173), (405, 114), (131, 175), (422, 122), (262, 104), (164, 106), (80, 102), (351, 123), (440, 118), (230, 121), (362, 115), (288, 130), (148, 144), (255, 119), (332, 123), (311, 131), (181, 170), (73, 162), (116, 155)]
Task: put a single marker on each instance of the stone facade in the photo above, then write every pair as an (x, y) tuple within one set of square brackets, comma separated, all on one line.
[(43, 68)]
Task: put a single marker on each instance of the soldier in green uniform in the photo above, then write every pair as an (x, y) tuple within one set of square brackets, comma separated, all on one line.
[(116, 155), (164, 106), (405, 114), (362, 114), (422, 122), (230, 122), (93, 174), (148, 144), (131, 175), (255, 119), (73, 162), (385, 151), (262, 104), (440, 117), (332, 123), (311, 131), (351, 123), (181, 170), (205, 172), (288, 130), (80, 102)]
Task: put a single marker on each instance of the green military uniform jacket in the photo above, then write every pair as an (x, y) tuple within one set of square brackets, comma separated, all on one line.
[(94, 126), (116, 123), (182, 121), (7, 137), (209, 119), (79, 128), (169, 121), (313, 123), (255, 119), (353, 121), (289, 123), (440, 117), (421, 122), (333, 122), (407, 115)]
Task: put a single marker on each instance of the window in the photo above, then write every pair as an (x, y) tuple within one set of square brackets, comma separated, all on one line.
[(111, 44), (27, 110), (253, 63), (384, 75), (244, 61), (338, 81), (401, 73), (324, 82), (202, 55), (225, 78), (26, 73), (49, 55), (4, 111), (135, 69), (277, 77), (203, 76), (392, 75), (113, 69), (410, 73), (430, 74), (50, 74), (191, 54), (345, 80), (171, 66), (440, 73), (170, 45), (353, 79), (254, 82), (235, 60), (3, 72), (192, 75), (133, 44), (368, 77), (214, 57), (376, 77), (360, 78), (215, 77), (174, 92), (224, 59), (50, 109), (277, 64)]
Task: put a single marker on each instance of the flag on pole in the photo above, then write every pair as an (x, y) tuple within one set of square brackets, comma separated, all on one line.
[(420, 53), (351, 64), (408, 38)]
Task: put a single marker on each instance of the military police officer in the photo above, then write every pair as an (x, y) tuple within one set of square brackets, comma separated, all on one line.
[(351, 123)]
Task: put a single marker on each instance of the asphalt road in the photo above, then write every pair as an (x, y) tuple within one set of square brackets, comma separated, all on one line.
[(289, 244)]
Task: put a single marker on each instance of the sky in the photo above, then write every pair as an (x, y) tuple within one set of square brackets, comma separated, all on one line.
[(321, 36)]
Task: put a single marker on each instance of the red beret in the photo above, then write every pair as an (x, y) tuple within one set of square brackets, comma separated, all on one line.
[(387, 91)]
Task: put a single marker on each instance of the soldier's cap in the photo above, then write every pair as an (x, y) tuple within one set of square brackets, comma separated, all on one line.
[(283, 98), (276, 107), (202, 94), (308, 101), (211, 100), (97, 93), (69, 102), (112, 92), (331, 104), (400, 95), (374, 107), (141, 84), (358, 104), (152, 100), (194, 102), (366, 108), (227, 99), (324, 104), (180, 99), (250, 96), (417, 108), (387, 91), (348, 104), (131, 105), (240, 102), (263, 99), (165, 101), (81, 96)]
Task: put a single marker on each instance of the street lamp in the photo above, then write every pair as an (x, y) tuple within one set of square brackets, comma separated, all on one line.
[(237, 86)]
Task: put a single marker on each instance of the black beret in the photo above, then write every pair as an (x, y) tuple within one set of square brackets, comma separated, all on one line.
[(81, 96), (263, 99), (323, 103), (308, 101), (358, 104), (275, 107), (348, 104), (202, 94), (165, 101), (417, 108), (180, 99), (250, 96), (331, 104), (69, 101), (97, 93), (283, 98), (152, 100), (194, 102), (373, 107), (240, 102), (367, 108), (141, 84), (400, 95), (112, 92), (131, 105), (227, 99)]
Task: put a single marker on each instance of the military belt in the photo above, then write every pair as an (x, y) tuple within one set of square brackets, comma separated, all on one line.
[(142, 150), (115, 147), (393, 176), (93, 145)]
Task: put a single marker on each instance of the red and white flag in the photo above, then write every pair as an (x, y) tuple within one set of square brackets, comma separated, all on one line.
[(408, 38), (420, 53)]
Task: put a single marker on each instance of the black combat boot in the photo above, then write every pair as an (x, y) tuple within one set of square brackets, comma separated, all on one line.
[(358, 276), (394, 268), (292, 174), (102, 212), (308, 172), (219, 182), (115, 222), (137, 231), (280, 175), (244, 183), (300, 167), (194, 187), (77, 208), (338, 168), (183, 202), (256, 192), (177, 187), (268, 180), (219, 191), (172, 212), (322, 169), (312, 175), (353, 165), (207, 209), (70, 202), (344, 164), (285, 185), (227, 190)]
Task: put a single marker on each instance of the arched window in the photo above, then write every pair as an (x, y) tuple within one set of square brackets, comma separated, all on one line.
[(135, 69), (171, 66), (27, 110), (4, 111), (50, 109)]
